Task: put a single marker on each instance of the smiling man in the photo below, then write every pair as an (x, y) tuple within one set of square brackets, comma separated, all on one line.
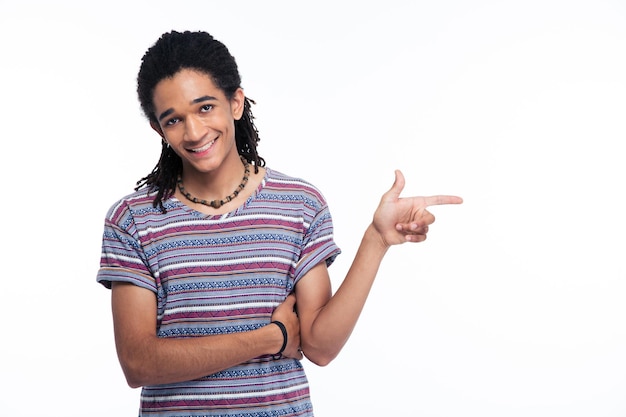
[(218, 265)]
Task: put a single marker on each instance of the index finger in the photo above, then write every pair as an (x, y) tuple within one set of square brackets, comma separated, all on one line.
[(437, 200)]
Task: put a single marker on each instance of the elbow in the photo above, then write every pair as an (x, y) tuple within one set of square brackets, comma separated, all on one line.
[(133, 383), (134, 371), (135, 378), (321, 363), (139, 362), (320, 358), (321, 353)]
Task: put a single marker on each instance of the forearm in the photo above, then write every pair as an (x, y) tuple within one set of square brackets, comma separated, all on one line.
[(151, 360), (333, 325)]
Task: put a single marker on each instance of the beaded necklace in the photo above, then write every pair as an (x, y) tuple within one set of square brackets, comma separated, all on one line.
[(217, 203)]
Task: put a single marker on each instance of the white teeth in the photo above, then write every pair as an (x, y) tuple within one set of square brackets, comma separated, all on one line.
[(204, 148)]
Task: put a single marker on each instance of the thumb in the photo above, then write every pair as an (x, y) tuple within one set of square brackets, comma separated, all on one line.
[(397, 187), (290, 301)]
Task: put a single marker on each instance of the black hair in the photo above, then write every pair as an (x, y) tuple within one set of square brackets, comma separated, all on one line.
[(199, 51)]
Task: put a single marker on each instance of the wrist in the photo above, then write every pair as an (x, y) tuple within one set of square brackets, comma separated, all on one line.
[(283, 330), (375, 238)]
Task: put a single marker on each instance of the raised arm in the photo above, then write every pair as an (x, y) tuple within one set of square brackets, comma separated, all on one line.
[(149, 360), (326, 320)]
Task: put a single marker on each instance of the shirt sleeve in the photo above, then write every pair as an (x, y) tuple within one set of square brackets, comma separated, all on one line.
[(123, 258), (318, 244)]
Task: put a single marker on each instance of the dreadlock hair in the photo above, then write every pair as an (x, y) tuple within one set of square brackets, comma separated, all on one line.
[(199, 51)]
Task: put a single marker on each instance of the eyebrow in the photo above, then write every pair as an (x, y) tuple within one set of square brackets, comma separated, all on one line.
[(194, 101), (203, 98)]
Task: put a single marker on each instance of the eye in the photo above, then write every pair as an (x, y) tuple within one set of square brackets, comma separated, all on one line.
[(206, 108), (172, 121)]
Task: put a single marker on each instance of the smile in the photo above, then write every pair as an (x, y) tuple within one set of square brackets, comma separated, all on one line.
[(204, 148)]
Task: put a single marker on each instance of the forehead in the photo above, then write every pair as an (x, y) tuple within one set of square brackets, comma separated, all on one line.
[(184, 87)]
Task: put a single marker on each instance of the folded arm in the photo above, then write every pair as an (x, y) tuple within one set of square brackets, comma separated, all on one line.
[(149, 360)]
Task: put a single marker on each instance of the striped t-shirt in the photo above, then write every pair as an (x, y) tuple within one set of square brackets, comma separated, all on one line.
[(216, 274)]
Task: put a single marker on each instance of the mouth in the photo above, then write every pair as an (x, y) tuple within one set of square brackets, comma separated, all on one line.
[(203, 148)]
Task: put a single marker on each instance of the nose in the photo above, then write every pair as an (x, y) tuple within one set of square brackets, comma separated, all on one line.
[(194, 129)]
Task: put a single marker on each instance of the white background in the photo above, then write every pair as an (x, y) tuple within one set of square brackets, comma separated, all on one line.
[(514, 306)]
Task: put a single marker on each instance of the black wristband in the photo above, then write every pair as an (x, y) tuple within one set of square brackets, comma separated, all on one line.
[(284, 330)]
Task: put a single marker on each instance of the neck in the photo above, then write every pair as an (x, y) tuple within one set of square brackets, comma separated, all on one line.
[(216, 201)]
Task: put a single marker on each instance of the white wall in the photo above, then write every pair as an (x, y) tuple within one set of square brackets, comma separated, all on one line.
[(515, 304)]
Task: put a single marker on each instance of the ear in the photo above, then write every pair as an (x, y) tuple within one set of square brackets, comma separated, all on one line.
[(237, 104), (157, 128)]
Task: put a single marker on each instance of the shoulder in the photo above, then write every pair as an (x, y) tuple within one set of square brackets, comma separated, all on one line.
[(139, 201), (287, 184)]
